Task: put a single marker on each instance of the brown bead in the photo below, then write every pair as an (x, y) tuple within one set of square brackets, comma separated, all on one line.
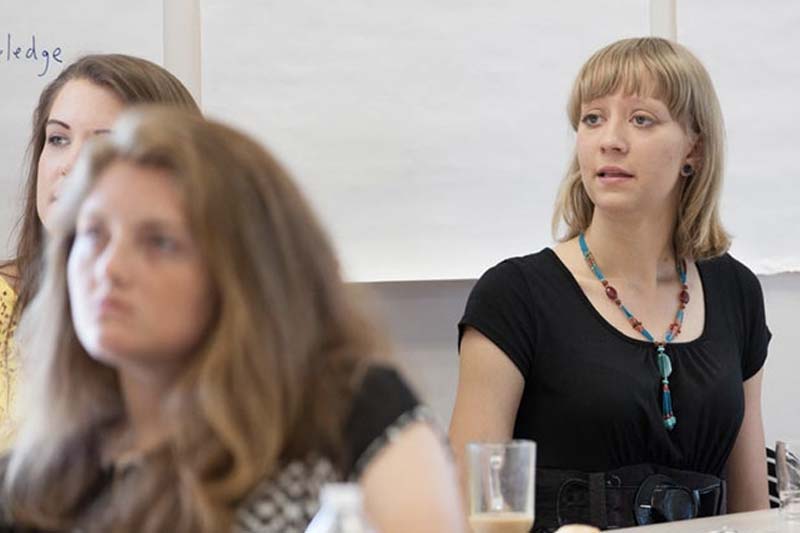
[(684, 297), (611, 292)]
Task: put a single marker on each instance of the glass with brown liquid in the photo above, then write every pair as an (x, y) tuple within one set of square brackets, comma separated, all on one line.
[(501, 486)]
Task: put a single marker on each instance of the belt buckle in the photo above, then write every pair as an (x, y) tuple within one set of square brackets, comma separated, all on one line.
[(660, 499)]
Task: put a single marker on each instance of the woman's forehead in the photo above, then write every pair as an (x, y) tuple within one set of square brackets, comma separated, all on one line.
[(627, 82), (626, 98)]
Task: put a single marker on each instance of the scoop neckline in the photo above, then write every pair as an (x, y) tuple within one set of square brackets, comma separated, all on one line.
[(608, 325)]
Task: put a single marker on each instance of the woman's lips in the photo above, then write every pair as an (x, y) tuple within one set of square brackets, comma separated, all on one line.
[(613, 172), (112, 306), (613, 175)]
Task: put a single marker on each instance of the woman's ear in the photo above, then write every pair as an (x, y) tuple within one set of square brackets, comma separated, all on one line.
[(694, 156)]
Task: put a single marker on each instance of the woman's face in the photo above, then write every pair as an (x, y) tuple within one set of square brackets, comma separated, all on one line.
[(138, 286), (80, 110), (630, 152)]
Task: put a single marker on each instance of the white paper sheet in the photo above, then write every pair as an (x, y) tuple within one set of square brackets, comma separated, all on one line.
[(752, 52), (62, 33), (430, 136)]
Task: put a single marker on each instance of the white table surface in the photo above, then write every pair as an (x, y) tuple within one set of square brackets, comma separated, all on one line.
[(758, 521)]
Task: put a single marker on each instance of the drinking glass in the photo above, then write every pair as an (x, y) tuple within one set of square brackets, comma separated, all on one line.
[(501, 486), (787, 470)]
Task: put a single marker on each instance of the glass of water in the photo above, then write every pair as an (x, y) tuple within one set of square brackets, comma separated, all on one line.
[(501, 486), (787, 469)]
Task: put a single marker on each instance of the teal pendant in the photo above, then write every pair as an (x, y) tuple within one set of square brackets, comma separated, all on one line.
[(664, 363), (665, 368)]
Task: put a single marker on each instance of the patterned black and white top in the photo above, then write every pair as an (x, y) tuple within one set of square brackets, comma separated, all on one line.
[(286, 502)]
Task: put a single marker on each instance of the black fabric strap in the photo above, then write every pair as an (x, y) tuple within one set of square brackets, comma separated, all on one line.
[(609, 499), (597, 499)]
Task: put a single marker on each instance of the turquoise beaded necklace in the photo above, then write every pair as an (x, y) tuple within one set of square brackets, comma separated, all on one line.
[(664, 362)]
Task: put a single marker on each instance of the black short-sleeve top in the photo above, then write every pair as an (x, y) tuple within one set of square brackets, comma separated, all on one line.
[(381, 408), (592, 398)]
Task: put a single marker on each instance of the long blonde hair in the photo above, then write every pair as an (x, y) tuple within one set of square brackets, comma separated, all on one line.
[(272, 379), (667, 71)]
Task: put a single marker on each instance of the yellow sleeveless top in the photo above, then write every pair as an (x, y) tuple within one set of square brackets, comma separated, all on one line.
[(9, 365)]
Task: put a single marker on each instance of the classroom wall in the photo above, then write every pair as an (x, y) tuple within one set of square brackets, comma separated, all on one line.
[(422, 317)]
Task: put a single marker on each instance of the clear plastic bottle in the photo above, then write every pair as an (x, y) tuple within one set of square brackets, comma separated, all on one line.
[(341, 510)]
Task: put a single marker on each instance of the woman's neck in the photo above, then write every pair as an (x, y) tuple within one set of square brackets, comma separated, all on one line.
[(637, 249), (145, 424)]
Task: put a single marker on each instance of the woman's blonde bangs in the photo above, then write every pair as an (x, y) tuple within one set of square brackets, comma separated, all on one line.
[(643, 67)]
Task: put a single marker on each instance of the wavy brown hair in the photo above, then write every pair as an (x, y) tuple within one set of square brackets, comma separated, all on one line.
[(134, 81), (271, 381), (669, 72)]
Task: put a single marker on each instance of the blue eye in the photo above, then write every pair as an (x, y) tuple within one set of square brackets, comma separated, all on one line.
[(642, 120), (57, 140), (162, 243), (591, 119)]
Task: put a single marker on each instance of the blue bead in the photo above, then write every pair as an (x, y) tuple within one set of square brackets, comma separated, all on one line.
[(584, 246), (666, 402), (670, 423)]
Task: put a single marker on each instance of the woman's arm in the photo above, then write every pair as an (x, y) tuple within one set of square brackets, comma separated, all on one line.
[(410, 485), (747, 464), (489, 390)]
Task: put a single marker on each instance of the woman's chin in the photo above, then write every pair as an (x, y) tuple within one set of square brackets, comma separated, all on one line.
[(110, 350)]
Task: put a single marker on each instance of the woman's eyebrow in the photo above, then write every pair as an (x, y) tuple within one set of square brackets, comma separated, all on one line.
[(57, 122)]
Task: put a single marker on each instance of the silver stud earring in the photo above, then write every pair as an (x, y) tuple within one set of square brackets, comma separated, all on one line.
[(687, 170)]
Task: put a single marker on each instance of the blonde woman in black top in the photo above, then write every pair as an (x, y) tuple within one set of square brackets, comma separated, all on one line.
[(633, 348)]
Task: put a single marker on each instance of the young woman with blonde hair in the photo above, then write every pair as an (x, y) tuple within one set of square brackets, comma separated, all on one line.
[(197, 363), (81, 102), (632, 351)]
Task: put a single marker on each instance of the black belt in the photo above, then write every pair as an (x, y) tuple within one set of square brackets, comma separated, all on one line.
[(625, 497)]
